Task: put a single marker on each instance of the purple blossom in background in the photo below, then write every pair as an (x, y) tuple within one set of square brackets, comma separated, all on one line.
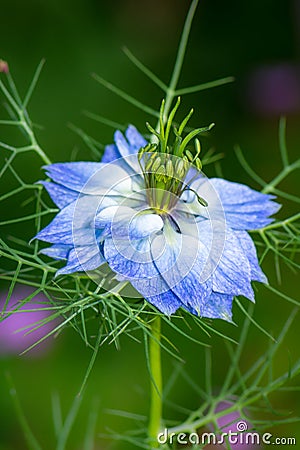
[(275, 90), (13, 341), (233, 423)]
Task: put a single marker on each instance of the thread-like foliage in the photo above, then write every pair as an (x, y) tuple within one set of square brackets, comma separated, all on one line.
[(100, 316)]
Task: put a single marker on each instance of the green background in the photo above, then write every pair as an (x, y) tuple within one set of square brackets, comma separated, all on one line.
[(81, 37)]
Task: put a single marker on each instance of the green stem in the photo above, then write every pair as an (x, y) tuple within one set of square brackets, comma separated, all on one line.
[(281, 176), (156, 382), (171, 90), (279, 224), (28, 130)]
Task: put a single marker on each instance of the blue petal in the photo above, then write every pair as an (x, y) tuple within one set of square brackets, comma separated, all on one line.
[(219, 306), (115, 221), (113, 215), (122, 145), (135, 139), (60, 195), (93, 178), (111, 153), (245, 208), (183, 263), (128, 148), (137, 266), (166, 302), (230, 267), (59, 231), (74, 225), (82, 259), (190, 204), (143, 225), (132, 261), (133, 143), (232, 193), (142, 274), (247, 221), (57, 251), (250, 250), (125, 149), (125, 222), (233, 274), (72, 175)]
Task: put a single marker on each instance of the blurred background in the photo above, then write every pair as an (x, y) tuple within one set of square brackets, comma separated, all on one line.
[(256, 42)]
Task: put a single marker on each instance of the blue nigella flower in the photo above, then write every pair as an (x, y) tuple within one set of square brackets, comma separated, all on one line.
[(148, 212)]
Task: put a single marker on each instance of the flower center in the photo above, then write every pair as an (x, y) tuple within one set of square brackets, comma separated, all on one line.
[(169, 168), (164, 177)]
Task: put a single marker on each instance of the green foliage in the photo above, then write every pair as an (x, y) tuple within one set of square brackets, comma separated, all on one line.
[(102, 317), (250, 392)]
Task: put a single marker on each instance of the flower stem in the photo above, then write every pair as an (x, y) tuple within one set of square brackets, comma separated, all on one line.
[(156, 382), (180, 56), (171, 88)]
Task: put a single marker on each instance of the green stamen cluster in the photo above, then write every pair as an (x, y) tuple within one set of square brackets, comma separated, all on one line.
[(165, 165)]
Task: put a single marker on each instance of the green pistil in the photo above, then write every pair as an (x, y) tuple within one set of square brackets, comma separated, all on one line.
[(165, 165)]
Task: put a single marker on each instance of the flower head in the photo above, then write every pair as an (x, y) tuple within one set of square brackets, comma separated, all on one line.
[(149, 212)]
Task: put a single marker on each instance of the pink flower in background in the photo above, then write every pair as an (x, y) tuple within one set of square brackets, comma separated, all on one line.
[(275, 90), (3, 66), (244, 437), (12, 339)]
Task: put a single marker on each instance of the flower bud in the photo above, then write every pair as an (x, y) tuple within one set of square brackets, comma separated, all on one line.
[(3, 66)]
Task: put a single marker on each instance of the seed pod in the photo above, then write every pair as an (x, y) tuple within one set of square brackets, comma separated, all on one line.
[(161, 170), (156, 164), (160, 174), (189, 155), (169, 169), (197, 146), (148, 164), (180, 168), (198, 164)]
